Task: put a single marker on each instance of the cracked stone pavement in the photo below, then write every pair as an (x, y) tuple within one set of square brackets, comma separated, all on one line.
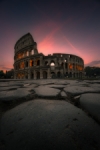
[(49, 114)]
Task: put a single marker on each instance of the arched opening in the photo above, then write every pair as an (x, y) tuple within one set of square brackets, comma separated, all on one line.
[(21, 75), (38, 62), (46, 63), (52, 65), (66, 65), (21, 65), (73, 66), (44, 75), (70, 66), (66, 74), (26, 64), (58, 74), (65, 60), (32, 52), (38, 75), (31, 63), (18, 76), (62, 64), (70, 74), (32, 75), (53, 75)]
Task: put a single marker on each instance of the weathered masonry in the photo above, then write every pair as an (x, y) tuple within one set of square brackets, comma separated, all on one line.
[(29, 64)]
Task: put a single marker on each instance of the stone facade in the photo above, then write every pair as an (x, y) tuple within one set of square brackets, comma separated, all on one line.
[(29, 64)]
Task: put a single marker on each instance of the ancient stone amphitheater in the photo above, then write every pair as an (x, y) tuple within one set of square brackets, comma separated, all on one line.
[(29, 64)]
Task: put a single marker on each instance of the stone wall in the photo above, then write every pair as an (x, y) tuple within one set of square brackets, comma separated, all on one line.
[(29, 64)]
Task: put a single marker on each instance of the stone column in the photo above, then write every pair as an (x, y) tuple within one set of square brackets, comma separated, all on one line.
[(56, 63), (24, 74), (62, 72), (34, 74), (28, 63), (41, 74), (48, 74), (29, 52), (35, 62), (29, 74)]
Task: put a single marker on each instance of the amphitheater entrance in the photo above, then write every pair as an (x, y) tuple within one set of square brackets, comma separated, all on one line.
[(32, 75), (70, 74), (66, 74), (38, 75), (44, 75), (58, 74), (53, 75)]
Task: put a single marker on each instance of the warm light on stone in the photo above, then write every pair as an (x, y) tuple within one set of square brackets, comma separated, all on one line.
[(29, 64)]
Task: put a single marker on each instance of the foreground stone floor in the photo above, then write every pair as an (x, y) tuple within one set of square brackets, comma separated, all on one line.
[(49, 114)]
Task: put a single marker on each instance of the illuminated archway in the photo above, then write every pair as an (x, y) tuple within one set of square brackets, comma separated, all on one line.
[(31, 63), (52, 63)]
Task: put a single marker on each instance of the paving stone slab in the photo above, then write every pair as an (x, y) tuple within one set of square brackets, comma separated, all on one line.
[(4, 84), (14, 94), (80, 89), (91, 103), (8, 88), (46, 91), (48, 125)]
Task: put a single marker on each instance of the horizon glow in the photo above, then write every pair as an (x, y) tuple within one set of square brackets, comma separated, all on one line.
[(65, 29)]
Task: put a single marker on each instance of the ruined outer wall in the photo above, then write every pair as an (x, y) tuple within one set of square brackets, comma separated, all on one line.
[(29, 64)]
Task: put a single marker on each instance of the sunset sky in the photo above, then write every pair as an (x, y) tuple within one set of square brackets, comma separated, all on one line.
[(58, 26)]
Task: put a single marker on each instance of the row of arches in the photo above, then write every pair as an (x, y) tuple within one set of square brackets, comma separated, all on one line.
[(25, 64), (31, 52), (37, 75), (68, 65), (45, 75), (36, 62), (24, 54)]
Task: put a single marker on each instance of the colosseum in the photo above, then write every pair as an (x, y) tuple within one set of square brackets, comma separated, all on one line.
[(29, 64)]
